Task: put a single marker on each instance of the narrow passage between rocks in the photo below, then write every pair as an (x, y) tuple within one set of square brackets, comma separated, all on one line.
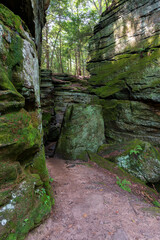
[(89, 205)]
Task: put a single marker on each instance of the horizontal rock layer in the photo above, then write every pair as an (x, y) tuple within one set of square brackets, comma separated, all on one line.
[(24, 184), (125, 67), (59, 91)]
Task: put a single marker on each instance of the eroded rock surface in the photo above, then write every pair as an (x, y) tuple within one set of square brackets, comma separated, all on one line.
[(59, 91), (32, 12), (24, 184), (82, 129), (125, 67), (137, 157)]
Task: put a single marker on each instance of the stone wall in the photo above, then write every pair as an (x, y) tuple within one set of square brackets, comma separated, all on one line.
[(24, 183), (125, 69), (47, 102), (57, 94)]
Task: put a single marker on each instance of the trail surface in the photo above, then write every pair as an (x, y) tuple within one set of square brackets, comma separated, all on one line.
[(89, 205)]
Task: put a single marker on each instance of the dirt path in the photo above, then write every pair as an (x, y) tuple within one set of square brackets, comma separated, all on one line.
[(91, 206)]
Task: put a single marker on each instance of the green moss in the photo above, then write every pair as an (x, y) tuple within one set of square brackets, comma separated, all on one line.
[(14, 61), (39, 167), (112, 167), (155, 211), (32, 205), (156, 203), (5, 195), (125, 70), (79, 131), (46, 119), (137, 157), (11, 63), (18, 135), (109, 89), (9, 171), (12, 20)]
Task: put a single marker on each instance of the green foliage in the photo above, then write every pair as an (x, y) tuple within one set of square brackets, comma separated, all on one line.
[(25, 221), (51, 179), (136, 150), (123, 184), (156, 203), (69, 26), (40, 192)]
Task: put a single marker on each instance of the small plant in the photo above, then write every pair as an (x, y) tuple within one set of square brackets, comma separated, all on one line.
[(156, 203), (123, 184), (51, 179), (137, 150), (40, 192), (26, 220)]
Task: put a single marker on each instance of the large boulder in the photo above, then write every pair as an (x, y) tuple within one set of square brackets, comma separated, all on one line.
[(82, 129), (137, 157), (24, 183), (125, 65)]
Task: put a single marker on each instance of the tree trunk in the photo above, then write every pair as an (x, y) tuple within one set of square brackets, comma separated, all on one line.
[(47, 47), (76, 69), (79, 59), (60, 55)]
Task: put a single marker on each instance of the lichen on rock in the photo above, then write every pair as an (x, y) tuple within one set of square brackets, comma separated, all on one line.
[(24, 181), (82, 130), (139, 158)]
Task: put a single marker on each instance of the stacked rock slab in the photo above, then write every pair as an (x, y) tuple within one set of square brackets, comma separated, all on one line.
[(59, 91), (24, 184), (47, 101), (78, 117), (125, 69), (68, 90)]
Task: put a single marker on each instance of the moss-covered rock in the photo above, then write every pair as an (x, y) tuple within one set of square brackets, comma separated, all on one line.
[(125, 68), (83, 129), (138, 158), (125, 120), (27, 206), (25, 194)]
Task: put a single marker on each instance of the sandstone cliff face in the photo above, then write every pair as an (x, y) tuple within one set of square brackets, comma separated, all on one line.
[(33, 14), (24, 184), (125, 69), (59, 91)]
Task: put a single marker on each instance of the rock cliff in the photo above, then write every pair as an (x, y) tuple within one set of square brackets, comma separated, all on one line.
[(24, 183), (125, 69), (59, 91), (33, 14)]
